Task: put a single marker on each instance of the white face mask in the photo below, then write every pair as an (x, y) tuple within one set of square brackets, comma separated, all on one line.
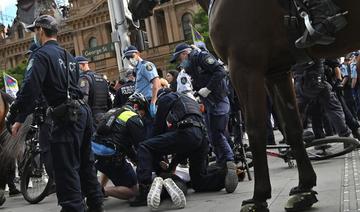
[(133, 62)]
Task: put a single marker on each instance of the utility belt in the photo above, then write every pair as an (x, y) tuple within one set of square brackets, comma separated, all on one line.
[(189, 123), (115, 159), (68, 112)]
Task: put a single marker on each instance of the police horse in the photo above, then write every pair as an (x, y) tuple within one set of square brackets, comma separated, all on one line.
[(250, 36)]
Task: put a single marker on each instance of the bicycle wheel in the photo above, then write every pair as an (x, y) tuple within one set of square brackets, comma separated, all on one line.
[(35, 184), (329, 147)]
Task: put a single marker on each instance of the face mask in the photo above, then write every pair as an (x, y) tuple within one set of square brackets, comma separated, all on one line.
[(185, 64), (133, 62)]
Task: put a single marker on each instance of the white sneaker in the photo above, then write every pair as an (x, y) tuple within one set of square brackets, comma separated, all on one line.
[(153, 198), (176, 194)]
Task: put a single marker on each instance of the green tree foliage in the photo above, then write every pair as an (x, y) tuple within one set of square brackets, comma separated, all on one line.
[(201, 24), (17, 72)]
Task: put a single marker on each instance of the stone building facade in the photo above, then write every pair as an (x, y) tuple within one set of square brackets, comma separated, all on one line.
[(87, 31)]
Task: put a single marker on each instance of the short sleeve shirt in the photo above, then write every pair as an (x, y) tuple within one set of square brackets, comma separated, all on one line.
[(145, 73)]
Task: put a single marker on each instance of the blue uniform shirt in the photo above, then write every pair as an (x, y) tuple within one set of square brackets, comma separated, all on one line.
[(344, 70), (46, 73), (145, 73)]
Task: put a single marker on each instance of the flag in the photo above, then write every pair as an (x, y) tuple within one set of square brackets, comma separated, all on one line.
[(198, 39), (11, 85)]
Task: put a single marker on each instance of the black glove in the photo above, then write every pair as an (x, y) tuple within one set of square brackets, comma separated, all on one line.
[(11, 116)]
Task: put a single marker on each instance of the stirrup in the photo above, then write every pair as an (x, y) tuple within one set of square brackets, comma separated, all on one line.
[(312, 36)]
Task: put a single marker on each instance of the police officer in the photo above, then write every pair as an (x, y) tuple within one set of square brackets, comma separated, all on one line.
[(184, 84), (94, 87), (209, 81), (147, 78), (348, 71), (179, 129), (54, 73), (310, 85), (118, 135), (125, 90)]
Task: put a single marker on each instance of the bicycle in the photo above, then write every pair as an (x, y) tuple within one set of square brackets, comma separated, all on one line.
[(317, 149), (35, 184)]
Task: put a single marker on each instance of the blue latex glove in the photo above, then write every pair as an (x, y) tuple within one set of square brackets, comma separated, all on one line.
[(152, 110)]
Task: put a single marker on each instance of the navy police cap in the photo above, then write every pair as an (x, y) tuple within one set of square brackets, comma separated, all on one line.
[(46, 22), (178, 50), (81, 59), (129, 51)]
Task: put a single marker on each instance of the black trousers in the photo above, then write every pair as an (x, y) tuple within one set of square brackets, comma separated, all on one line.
[(73, 163), (189, 142)]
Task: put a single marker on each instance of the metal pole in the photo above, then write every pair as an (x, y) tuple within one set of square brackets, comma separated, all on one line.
[(120, 35)]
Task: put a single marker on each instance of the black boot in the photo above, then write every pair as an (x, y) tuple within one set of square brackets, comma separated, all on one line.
[(141, 198), (99, 208), (323, 20)]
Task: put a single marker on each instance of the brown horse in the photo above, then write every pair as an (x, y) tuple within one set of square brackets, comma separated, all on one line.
[(251, 38)]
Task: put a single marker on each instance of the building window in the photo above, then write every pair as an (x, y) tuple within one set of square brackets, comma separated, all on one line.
[(186, 25), (20, 32), (161, 27), (92, 42)]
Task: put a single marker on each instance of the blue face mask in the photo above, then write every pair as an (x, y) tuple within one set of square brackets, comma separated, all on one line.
[(185, 64), (36, 41)]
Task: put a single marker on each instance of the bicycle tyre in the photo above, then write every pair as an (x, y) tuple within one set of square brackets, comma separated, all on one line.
[(344, 144), (24, 181)]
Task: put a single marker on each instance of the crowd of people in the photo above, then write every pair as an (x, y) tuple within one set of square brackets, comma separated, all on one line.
[(155, 124)]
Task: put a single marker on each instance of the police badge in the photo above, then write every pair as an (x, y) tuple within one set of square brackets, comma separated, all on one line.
[(149, 67), (210, 60)]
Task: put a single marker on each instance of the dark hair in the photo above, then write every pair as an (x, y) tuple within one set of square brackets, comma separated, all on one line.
[(174, 73), (48, 32)]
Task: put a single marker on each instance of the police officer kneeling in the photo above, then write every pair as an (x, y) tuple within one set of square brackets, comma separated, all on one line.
[(118, 135), (179, 129), (53, 72)]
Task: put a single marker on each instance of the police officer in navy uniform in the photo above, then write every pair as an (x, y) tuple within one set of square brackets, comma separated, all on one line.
[(118, 135), (49, 74), (209, 81), (310, 85), (125, 90), (94, 87), (147, 79), (179, 129)]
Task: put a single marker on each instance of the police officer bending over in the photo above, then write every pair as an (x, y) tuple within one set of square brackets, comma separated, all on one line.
[(94, 88), (53, 72), (179, 129), (209, 81), (119, 133)]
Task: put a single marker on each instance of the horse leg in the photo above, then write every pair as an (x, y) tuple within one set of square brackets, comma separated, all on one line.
[(281, 89), (249, 83)]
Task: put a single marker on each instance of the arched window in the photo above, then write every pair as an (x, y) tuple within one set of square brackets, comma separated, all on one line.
[(20, 31), (186, 25), (92, 42)]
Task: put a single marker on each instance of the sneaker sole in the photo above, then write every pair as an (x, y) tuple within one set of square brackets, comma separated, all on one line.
[(153, 198), (231, 178), (176, 194)]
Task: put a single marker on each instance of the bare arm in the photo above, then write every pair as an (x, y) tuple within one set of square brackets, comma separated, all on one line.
[(338, 73), (353, 82), (156, 86)]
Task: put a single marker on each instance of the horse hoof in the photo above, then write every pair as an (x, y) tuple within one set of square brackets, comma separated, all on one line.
[(254, 206), (300, 200)]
